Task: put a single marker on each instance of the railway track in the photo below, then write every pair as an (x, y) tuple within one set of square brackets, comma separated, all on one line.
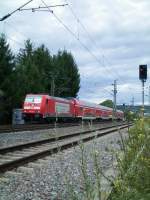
[(18, 155), (31, 127)]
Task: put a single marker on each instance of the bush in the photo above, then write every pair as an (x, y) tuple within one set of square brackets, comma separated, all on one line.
[(133, 181)]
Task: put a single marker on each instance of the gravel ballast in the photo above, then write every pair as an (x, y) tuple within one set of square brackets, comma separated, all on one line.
[(14, 138), (52, 177), (8, 139)]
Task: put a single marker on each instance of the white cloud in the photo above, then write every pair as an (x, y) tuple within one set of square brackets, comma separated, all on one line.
[(120, 30)]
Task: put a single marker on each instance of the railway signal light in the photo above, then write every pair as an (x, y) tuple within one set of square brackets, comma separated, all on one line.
[(143, 72), (143, 77)]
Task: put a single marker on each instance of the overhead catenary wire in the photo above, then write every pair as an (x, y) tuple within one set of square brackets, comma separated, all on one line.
[(43, 7), (86, 31), (9, 14), (84, 28), (68, 29), (93, 41), (20, 44), (75, 36)]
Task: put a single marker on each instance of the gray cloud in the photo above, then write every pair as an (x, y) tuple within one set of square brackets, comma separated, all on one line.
[(120, 41)]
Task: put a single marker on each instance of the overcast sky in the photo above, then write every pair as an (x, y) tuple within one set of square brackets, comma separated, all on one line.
[(108, 39)]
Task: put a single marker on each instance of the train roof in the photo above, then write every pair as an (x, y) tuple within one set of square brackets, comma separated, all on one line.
[(89, 104), (51, 97), (94, 105)]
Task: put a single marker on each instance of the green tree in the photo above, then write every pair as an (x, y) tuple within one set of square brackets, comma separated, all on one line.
[(33, 71), (107, 103), (43, 61), (67, 77), (27, 72), (7, 65)]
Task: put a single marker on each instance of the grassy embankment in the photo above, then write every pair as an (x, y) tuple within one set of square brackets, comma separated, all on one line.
[(133, 166), (133, 182)]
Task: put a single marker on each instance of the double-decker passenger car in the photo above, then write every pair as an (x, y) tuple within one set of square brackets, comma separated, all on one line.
[(43, 106)]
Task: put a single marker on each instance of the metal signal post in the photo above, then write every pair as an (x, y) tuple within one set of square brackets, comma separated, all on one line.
[(143, 93), (143, 77)]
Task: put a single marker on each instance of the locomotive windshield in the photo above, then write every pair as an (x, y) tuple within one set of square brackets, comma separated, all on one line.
[(33, 99)]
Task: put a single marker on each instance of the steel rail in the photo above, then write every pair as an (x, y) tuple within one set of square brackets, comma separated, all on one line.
[(30, 127), (52, 138), (35, 150)]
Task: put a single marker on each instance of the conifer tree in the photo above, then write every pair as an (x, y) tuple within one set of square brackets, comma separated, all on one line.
[(43, 61), (34, 70), (6, 68), (67, 75), (27, 72), (6, 63)]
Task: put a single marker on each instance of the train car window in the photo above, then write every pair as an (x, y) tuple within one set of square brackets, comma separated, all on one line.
[(46, 101)]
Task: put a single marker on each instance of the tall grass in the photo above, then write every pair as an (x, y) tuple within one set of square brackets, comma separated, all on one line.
[(133, 181), (133, 166)]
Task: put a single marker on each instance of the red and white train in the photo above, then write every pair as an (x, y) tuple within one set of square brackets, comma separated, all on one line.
[(42, 106)]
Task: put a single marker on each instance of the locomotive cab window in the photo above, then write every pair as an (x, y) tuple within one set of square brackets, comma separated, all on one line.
[(33, 99), (37, 99), (29, 99)]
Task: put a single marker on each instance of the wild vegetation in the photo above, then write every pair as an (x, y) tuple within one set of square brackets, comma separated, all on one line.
[(34, 70), (133, 169)]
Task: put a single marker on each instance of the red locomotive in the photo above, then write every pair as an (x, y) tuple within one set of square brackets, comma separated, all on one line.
[(42, 106)]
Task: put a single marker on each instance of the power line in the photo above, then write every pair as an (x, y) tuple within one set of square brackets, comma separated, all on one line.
[(93, 41), (74, 35), (9, 14), (84, 28), (42, 7), (68, 29), (79, 21)]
